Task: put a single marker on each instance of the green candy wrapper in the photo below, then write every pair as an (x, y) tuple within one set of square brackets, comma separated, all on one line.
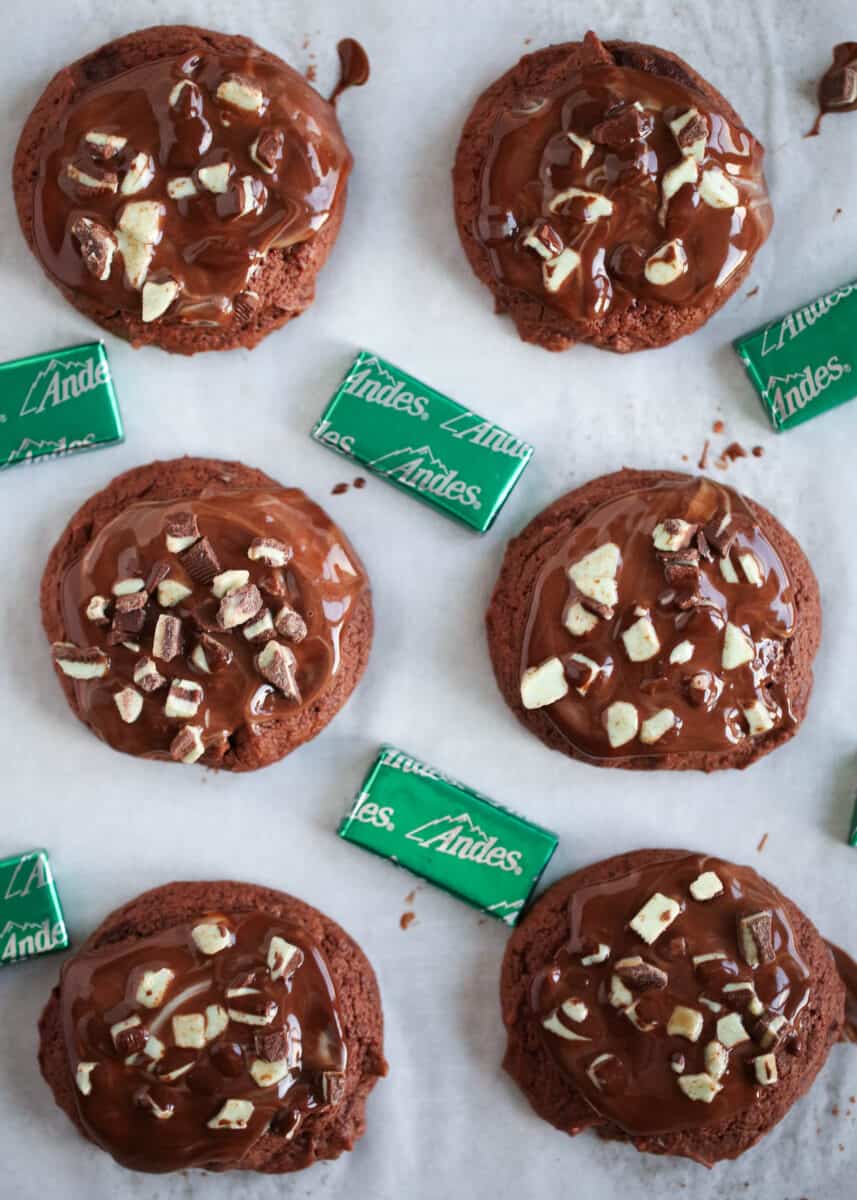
[(57, 403), (422, 442), (804, 363), (417, 817), (31, 917)]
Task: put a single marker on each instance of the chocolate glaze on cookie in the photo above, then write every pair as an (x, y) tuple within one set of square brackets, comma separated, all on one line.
[(663, 646), (203, 627), (612, 187), (196, 994), (187, 1045), (656, 620), (183, 187), (671, 998), (231, 156)]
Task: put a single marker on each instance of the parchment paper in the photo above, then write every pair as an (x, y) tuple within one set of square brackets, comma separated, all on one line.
[(446, 1122)]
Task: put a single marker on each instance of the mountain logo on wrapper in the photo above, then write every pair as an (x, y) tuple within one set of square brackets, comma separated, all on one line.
[(412, 814), (468, 426), (802, 319), (59, 382), (56, 404), (18, 942), (31, 919), (32, 452), (790, 393), (422, 441), (391, 394), (507, 911), (423, 471), (803, 364), (462, 838)]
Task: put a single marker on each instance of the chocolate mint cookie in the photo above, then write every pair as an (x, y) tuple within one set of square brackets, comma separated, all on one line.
[(216, 1025), (606, 193), (651, 619), (182, 188), (670, 999), (201, 612)]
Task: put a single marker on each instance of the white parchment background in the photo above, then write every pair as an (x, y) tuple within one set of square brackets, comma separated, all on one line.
[(446, 1122)]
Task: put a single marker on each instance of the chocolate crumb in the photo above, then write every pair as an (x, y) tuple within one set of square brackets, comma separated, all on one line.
[(731, 452), (359, 482), (338, 489), (838, 213), (703, 458), (406, 919), (753, 292), (761, 845), (758, 451), (717, 427)]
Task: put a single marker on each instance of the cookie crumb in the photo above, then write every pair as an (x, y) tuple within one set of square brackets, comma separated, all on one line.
[(406, 919), (761, 845)]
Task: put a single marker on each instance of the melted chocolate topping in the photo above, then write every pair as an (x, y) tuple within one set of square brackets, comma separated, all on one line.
[(619, 185), (232, 156), (664, 651), (618, 1038), (165, 1033), (837, 88), (309, 600)]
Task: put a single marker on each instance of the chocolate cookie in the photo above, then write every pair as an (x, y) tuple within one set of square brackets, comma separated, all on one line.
[(652, 619), (606, 193), (668, 999), (183, 188), (201, 612), (216, 1025)]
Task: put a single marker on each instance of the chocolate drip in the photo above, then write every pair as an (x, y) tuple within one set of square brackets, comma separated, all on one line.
[(353, 67)]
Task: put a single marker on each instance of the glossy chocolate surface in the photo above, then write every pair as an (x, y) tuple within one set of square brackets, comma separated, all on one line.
[(637, 1085), (322, 581), (150, 1101), (210, 243), (696, 611), (605, 130)]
